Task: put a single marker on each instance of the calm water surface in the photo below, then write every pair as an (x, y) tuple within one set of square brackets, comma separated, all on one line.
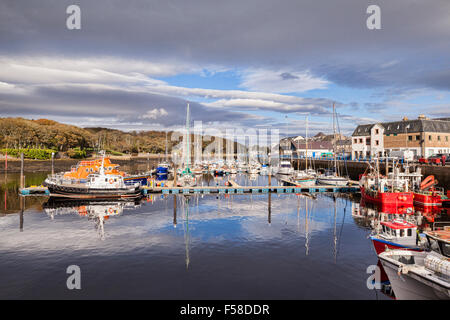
[(176, 247)]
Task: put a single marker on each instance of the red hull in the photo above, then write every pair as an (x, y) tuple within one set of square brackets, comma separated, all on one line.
[(380, 246), (427, 200), (389, 199)]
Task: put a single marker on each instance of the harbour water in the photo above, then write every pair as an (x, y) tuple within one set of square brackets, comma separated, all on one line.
[(266, 246)]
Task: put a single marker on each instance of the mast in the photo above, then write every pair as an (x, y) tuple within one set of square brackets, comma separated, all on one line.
[(334, 140), (187, 138), (166, 146), (306, 137)]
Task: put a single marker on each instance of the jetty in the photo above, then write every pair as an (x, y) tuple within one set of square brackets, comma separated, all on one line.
[(233, 188)]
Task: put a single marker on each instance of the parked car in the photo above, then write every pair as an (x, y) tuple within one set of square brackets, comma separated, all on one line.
[(438, 158)]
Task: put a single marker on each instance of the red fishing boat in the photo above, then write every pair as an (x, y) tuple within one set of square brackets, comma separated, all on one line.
[(396, 234), (390, 191), (428, 195)]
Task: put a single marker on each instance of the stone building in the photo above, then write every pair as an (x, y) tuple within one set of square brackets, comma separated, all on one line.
[(422, 136)]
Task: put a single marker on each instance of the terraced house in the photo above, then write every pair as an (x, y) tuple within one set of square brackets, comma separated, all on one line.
[(422, 136)]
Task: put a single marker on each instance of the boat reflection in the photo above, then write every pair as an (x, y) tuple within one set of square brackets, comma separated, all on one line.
[(97, 211)]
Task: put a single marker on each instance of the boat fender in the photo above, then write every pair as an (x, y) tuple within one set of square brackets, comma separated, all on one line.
[(110, 210), (403, 270), (111, 181)]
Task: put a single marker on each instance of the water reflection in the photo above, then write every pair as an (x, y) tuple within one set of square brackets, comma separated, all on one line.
[(97, 211), (259, 246)]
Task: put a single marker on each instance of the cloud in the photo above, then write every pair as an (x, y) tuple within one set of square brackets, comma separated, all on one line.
[(155, 113), (281, 82)]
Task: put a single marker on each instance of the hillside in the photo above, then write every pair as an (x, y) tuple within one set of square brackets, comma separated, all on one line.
[(19, 133)]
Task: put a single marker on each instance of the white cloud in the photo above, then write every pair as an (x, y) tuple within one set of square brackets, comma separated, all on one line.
[(282, 81), (155, 113)]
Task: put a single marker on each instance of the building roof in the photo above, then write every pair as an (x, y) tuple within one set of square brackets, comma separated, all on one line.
[(316, 145), (406, 126)]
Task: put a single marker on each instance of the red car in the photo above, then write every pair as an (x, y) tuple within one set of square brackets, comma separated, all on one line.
[(435, 159)]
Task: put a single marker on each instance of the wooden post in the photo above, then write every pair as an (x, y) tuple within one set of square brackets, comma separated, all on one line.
[(174, 176), (174, 210), (6, 160), (53, 171), (22, 208), (21, 171), (269, 216)]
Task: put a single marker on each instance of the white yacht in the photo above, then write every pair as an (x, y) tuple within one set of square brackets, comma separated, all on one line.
[(285, 167)]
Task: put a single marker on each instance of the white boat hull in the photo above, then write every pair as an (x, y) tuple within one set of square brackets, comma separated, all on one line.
[(333, 181), (411, 286)]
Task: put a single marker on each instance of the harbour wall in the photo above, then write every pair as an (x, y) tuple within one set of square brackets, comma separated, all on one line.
[(355, 168)]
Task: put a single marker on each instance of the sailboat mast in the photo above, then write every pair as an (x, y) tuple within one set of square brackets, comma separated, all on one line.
[(188, 136), (334, 139), (166, 146), (306, 137)]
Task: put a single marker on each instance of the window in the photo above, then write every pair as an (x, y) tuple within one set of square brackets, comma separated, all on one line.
[(429, 138), (417, 138), (377, 142), (410, 138), (439, 138), (446, 138), (360, 140), (355, 140), (445, 249), (395, 134), (402, 232), (409, 232), (106, 179), (377, 131)]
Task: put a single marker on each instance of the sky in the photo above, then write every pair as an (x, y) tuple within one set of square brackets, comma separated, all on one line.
[(259, 64)]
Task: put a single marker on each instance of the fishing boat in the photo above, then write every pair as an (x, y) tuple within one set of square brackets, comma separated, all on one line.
[(396, 234), (96, 186), (429, 195), (391, 190), (420, 275)]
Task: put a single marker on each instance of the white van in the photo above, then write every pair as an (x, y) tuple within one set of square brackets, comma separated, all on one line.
[(403, 154)]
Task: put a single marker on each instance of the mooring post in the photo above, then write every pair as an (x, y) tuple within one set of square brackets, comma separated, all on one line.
[(270, 177), (21, 171), (22, 208), (174, 176), (269, 216), (53, 171), (174, 210)]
